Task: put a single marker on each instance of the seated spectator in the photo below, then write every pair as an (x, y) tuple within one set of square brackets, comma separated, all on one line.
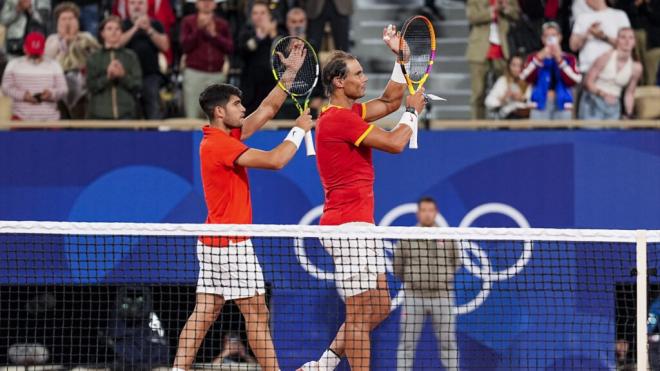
[(35, 83), (552, 73), (19, 18), (205, 40), (146, 38), (254, 45), (595, 33), (337, 13), (114, 76), (71, 48), (508, 97), (233, 351), (610, 74)]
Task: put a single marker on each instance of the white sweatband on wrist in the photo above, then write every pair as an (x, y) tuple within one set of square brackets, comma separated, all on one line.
[(295, 136), (397, 74), (410, 120)]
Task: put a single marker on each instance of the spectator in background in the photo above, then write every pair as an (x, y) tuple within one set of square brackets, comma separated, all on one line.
[(637, 13), (508, 97), (205, 40), (609, 75), (233, 351), (595, 33), (146, 38), (296, 23), (552, 73), (71, 48), (623, 362), (34, 83), (114, 76), (254, 45), (652, 57), (20, 17), (427, 269), (338, 13), (487, 49)]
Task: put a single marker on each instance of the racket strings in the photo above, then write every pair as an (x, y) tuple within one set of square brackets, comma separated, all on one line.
[(308, 72), (417, 45)]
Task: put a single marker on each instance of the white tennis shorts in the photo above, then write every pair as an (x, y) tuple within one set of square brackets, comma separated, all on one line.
[(358, 262), (232, 272)]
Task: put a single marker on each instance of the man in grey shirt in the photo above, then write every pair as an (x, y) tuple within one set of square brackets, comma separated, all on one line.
[(427, 269)]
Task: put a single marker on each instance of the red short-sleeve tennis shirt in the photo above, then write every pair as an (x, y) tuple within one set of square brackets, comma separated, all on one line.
[(226, 185), (345, 166)]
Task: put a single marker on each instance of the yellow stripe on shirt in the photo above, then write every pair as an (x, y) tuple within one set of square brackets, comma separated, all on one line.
[(364, 135), (364, 111)]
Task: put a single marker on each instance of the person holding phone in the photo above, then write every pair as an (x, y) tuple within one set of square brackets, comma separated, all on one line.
[(34, 83), (551, 73)]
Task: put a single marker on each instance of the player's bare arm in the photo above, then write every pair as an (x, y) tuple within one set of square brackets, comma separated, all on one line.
[(392, 96), (272, 103), (395, 140), (279, 156)]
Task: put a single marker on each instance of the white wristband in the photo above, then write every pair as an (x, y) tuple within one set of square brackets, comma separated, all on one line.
[(409, 119), (397, 74), (295, 136)]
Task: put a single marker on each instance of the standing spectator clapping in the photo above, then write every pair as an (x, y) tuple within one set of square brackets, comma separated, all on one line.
[(338, 13), (206, 41), (70, 48), (20, 17), (146, 37), (114, 76)]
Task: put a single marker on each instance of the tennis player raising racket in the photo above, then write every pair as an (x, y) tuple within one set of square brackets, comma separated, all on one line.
[(229, 268), (344, 142)]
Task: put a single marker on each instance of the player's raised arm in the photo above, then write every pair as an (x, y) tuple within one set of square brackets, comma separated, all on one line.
[(395, 140), (392, 96), (279, 156), (272, 103)]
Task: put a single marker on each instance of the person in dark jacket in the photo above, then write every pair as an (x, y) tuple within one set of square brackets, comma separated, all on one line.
[(114, 76)]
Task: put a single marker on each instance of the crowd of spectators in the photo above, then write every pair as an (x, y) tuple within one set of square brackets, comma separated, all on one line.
[(583, 58), (131, 59), (150, 59)]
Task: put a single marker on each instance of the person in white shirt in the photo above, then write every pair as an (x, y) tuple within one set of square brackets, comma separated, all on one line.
[(596, 33), (611, 74), (34, 83), (508, 97)]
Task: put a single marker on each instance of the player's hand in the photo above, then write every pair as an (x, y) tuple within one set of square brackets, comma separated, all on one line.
[(417, 101), (304, 121), (293, 61), (392, 38)]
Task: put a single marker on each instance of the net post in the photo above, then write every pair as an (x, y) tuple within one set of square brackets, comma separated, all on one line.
[(641, 297)]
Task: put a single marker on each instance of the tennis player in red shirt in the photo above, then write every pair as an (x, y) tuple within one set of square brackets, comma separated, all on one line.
[(344, 142), (229, 268)]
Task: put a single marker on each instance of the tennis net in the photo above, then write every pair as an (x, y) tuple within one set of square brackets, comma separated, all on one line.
[(118, 295)]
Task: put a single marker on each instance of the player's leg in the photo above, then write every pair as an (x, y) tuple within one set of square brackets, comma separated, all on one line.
[(257, 319), (207, 309), (444, 325), (208, 304), (410, 329)]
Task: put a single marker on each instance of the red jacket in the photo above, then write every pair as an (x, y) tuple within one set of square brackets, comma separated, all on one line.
[(570, 76), (203, 51)]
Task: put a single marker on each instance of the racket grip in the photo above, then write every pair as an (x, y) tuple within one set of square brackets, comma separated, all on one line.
[(309, 144)]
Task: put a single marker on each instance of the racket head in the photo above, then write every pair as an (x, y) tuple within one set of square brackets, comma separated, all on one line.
[(308, 73), (417, 48)]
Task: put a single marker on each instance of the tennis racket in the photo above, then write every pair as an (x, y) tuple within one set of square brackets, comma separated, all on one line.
[(416, 55), (299, 54)]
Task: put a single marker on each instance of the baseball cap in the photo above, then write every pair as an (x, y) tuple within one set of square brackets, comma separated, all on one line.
[(34, 44)]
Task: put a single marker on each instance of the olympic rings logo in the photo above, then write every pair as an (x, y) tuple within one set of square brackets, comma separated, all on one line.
[(483, 270)]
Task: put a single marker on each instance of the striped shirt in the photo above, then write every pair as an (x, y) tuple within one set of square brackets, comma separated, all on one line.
[(23, 75)]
